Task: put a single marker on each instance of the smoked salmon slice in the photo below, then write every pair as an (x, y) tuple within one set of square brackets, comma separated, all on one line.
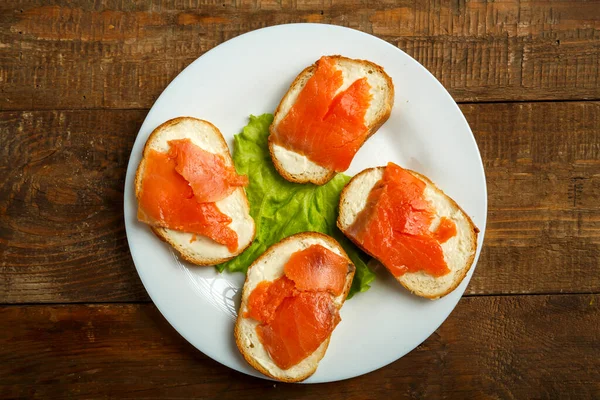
[(394, 225), (211, 180), (317, 269), (445, 230), (326, 126), (168, 200), (300, 324), (266, 297), (296, 311)]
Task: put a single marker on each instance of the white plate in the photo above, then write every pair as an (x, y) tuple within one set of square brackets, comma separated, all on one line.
[(426, 132)]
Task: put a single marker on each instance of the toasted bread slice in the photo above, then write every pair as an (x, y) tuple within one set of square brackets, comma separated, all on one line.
[(296, 167), (268, 267), (202, 250), (459, 251)]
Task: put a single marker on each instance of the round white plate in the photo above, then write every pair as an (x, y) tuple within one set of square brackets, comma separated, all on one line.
[(426, 132)]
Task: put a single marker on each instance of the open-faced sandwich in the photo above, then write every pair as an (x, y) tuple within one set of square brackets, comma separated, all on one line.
[(290, 305), (190, 194), (327, 114), (409, 225)]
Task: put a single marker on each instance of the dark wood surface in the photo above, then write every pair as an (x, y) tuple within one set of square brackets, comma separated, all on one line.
[(76, 81), (505, 347), (122, 54)]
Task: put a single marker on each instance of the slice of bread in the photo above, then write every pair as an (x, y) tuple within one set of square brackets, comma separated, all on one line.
[(459, 251), (202, 250), (269, 267), (296, 167)]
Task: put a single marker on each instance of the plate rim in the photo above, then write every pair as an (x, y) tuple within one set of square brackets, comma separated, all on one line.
[(128, 191)]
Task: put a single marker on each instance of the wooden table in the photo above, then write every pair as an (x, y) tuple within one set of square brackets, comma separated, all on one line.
[(77, 79)]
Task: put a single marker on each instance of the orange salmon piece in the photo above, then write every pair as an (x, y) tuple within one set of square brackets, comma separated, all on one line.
[(266, 297), (317, 268), (168, 201), (394, 226), (326, 127), (301, 323), (211, 180), (445, 230)]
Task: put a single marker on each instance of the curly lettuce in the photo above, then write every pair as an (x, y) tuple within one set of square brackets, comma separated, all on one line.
[(281, 208)]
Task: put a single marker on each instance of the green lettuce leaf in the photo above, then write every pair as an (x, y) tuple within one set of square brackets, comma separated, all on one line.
[(281, 208)]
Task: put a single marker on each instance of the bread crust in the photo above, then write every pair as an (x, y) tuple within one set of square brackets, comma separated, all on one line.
[(164, 233), (305, 75), (323, 348), (473, 233)]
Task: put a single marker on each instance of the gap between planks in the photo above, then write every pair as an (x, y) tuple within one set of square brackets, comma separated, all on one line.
[(148, 109), (117, 303)]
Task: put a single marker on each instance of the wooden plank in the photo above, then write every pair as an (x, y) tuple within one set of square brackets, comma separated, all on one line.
[(61, 184), (490, 347), (120, 54), (62, 235), (542, 164)]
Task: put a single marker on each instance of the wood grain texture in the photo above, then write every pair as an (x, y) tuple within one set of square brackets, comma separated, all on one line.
[(62, 237), (542, 163), (508, 347), (121, 54)]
